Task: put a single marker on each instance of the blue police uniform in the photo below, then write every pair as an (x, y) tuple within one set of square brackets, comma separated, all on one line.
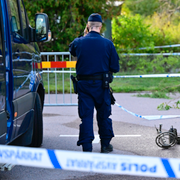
[(95, 55)]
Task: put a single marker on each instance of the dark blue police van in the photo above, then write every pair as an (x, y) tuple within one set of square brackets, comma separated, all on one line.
[(21, 87)]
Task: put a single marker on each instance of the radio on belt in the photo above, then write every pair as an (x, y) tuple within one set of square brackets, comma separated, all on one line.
[(106, 80)]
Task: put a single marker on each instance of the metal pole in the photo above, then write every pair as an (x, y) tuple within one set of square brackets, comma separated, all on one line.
[(55, 80), (48, 82), (63, 80), (70, 82)]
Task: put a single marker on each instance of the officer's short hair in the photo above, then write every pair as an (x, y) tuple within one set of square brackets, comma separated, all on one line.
[(92, 24)]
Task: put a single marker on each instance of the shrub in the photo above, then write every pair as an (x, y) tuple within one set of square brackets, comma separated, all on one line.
[(130, 32), (150, 64)]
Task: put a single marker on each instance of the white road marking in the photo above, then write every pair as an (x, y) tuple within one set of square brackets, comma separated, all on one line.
[(127, 135), (68, 135), (97, 139)]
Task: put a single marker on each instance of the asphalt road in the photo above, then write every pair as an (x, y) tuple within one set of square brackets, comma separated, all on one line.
[(60, 121)]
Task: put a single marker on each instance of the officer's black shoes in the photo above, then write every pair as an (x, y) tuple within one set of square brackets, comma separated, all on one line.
[(107, 149)]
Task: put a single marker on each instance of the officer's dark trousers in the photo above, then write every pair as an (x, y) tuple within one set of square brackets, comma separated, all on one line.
[(91, 95)]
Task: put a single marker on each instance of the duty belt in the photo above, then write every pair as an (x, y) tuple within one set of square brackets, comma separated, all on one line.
[(89, 77)]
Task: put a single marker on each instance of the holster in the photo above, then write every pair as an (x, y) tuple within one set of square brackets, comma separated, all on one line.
[(107, 78), (110, 77), (112, 97), (75, 81)]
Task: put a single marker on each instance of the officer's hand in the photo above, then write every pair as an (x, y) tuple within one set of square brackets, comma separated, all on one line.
[(86, 30)]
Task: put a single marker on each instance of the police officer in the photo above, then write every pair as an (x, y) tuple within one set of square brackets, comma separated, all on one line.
[(96, 57)]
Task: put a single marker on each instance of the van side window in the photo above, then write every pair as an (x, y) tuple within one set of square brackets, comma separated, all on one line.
[(15, 21), (1, 51), (2, 76), (24, 22)]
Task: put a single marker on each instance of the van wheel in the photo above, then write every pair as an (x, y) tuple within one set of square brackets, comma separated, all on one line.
[(37, 136)]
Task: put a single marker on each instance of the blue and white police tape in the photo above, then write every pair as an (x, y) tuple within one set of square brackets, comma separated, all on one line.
[(154, 117), (91, 162), (124, 76), (165, 46), (148, 76), (151, 54), (156, 47)]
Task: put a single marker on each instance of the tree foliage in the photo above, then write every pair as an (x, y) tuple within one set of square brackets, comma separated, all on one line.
[(133, 31), (143, 7), (68, 18), (147, 8), (130, 32)]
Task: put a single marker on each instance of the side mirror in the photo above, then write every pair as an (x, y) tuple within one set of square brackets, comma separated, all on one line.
[(42, 32)]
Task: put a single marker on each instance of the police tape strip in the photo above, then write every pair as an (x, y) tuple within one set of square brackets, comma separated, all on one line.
[(124, 76), (155, 47), (149, 76), (165, 46), (151, 54), (91, 162), (155, 117)]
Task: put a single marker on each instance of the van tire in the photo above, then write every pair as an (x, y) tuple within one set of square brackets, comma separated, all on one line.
[(37, 136)]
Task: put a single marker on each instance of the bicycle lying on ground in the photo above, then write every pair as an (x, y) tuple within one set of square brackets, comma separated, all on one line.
[(167, 139)]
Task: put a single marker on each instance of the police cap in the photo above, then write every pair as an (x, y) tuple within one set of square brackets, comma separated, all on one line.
[(95, 17)]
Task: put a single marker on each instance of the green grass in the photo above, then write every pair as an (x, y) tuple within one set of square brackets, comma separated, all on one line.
[(154, 95), (163, 85), (146, 84)]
